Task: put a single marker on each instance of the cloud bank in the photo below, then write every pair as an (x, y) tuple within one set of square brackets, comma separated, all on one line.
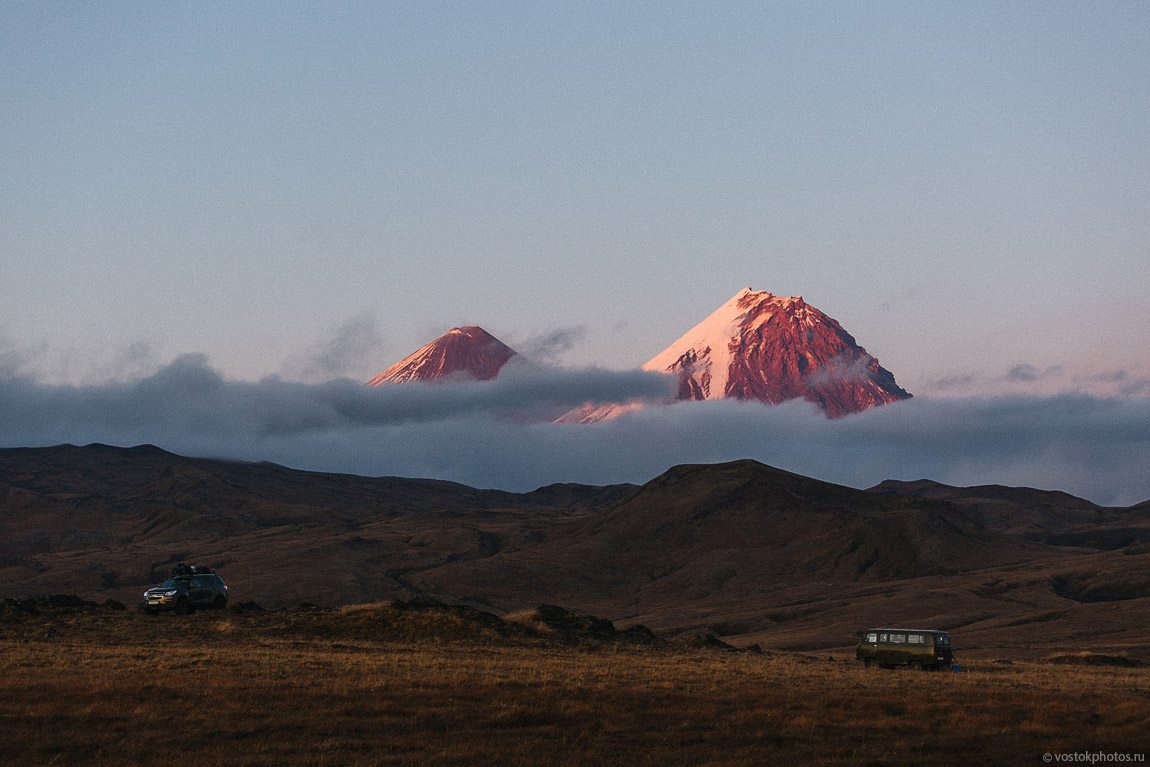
[(491, 434)]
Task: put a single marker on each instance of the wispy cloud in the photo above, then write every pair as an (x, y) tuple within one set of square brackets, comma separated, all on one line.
[(1130, 383), (956, 381), (548, 347), (1027, 373), (340, 353), (1022, 372), (79, 362), (1136, 388), (490, 434)]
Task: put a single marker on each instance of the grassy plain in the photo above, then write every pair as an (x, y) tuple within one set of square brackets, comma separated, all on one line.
[(106, 688)]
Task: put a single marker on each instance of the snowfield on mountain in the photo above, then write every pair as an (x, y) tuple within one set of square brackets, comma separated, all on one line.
[(759, 346)]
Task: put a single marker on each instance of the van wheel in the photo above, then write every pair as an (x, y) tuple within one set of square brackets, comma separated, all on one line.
[(868, 662), (915, 665)]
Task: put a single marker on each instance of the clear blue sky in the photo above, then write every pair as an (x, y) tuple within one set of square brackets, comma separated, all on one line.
[(964, 186)]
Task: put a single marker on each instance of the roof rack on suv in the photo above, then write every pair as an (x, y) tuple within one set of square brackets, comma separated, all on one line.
[(183, 570)]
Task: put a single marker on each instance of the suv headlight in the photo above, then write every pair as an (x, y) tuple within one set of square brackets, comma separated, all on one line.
[(171, 593)]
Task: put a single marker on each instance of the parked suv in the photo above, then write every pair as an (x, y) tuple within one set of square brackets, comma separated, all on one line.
[(189, 588), (917, 648)]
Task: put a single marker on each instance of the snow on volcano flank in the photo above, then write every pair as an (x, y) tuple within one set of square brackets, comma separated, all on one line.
[(469, 352), (765, 347), (762, 346)]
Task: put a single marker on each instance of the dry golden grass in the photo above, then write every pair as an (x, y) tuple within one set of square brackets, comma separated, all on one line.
[(241, 690)]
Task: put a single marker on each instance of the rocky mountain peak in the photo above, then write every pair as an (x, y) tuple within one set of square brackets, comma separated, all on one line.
[(468, 352), (771, 348)]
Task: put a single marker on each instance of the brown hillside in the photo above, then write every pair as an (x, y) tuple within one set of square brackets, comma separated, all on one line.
[(716, 531), (1049, 516), (105, 522), (754, 554)]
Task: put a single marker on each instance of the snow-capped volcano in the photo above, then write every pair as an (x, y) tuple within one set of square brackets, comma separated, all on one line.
[(769, 348), (469, 352)]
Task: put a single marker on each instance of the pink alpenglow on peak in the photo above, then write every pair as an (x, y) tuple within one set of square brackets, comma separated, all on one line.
[(759, 346), (459, 354)]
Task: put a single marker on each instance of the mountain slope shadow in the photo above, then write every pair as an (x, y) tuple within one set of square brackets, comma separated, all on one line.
[(112, 520), (708, 531)]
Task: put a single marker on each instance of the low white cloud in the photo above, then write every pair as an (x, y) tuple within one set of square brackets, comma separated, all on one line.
[(493, 434)]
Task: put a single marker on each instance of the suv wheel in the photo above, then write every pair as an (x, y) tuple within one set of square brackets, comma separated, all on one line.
[(219, 603), (182, 606)]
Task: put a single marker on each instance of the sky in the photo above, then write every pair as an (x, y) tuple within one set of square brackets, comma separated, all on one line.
[(282, 198)]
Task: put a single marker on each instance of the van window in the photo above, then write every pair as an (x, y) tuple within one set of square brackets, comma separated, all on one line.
[(898, 638), (872, 638), (882, 638), (915, 639), (942, 639)]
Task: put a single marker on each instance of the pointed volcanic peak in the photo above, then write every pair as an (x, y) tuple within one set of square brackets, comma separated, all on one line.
[(461, 353), (769, 348)]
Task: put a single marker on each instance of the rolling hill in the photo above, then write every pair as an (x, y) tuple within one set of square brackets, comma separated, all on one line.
[(745, 550)]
